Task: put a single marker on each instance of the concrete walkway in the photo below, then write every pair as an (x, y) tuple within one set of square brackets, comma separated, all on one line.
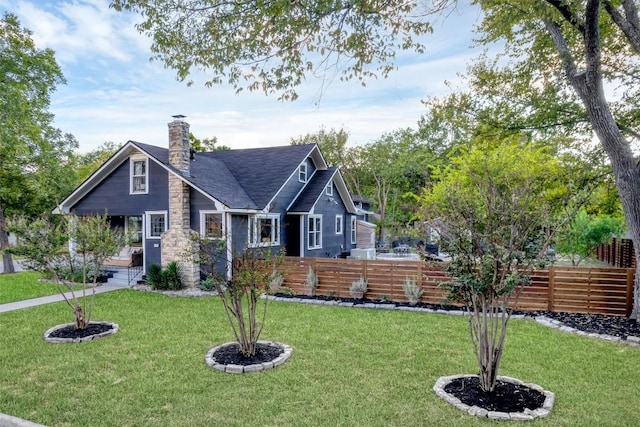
[(53, 298)]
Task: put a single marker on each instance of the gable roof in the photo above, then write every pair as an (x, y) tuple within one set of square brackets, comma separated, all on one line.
[(314, 189), (245, 179), (207, 174), (262, 172)]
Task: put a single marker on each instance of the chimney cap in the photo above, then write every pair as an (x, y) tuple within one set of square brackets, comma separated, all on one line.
[(178, 117)]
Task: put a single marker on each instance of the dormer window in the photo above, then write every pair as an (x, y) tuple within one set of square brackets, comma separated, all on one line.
[(139, 171), (329, 189), (302, 172)]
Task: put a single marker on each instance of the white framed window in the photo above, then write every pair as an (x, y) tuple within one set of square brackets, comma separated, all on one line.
[(138, 168), (314, 232), (133, 228), (264, 230), (302, 172), (338, 224), (212, 224), (353, 229), (156, 224), (329, 189)]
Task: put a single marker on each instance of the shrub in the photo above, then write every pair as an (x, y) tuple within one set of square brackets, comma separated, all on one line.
[(168, 279), (358, 288), (311, 284), (412, 290), (277, 279), (172, 277), (154, 276)]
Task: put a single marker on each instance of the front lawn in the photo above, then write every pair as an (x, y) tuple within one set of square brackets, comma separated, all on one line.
[(349, 367), (21, 286)]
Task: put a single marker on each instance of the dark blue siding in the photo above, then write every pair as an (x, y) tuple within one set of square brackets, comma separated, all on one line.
[(198, 203), (332, 244), (112, 194)]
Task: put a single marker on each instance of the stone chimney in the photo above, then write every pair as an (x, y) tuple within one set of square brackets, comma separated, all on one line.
[(176, 241), (179, 145)]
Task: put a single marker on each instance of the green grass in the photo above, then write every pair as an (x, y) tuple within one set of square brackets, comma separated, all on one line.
[(350, 367), (21, 286)]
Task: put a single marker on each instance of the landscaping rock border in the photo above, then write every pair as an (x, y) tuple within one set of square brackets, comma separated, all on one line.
[(240, 369), (48, 338), (476, 411)]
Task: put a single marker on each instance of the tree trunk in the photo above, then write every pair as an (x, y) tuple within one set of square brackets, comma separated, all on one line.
[(7, 261), (588, 85)]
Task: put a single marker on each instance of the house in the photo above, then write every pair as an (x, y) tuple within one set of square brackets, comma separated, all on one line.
[(282, 197)]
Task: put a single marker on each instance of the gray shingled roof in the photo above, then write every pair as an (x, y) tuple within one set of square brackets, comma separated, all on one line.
[(261, 172), (314, 189), (241, 179)]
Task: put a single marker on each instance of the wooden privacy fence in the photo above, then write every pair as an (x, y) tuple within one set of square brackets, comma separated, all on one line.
[(568, 289), (618, 253)]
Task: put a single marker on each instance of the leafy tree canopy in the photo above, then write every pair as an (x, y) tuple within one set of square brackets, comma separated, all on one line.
[(273, 45), (206, 144), (36, 160), (585, 234)]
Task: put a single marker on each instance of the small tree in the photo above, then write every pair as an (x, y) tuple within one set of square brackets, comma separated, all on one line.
[(493, 204), (43, 243), (585, 234), (252, 273)]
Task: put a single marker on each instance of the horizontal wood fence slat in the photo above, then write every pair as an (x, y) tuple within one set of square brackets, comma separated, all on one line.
[(569, 289)]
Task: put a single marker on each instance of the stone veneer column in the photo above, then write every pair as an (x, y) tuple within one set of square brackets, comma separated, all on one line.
[(176, 241)]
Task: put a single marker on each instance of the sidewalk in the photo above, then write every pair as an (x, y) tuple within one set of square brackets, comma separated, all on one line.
[(52, 298)]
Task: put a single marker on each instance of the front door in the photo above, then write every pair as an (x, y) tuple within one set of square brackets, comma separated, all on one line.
[(292, 229)]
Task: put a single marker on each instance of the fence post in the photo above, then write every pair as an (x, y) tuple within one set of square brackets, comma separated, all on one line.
[(630, 280), (552, 274)]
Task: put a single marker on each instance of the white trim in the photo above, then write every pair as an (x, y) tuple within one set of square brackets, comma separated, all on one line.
[(132, 161), (313, 154), (354, 228), (147, 230), (304, 166), (126, 226), (339, 221), (229, 237), (329, 189), (274, 239), (318, 232), (203, 223)]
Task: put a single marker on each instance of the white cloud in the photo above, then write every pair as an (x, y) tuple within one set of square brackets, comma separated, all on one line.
[(115, 94)]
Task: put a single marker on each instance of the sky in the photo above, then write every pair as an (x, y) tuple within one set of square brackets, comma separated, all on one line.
[(115, 93)]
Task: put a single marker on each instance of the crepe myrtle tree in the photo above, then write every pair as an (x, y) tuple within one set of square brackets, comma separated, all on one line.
[(253, 271), (491, 206), (43, 243)]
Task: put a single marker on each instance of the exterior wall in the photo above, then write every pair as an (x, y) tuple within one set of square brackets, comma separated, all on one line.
[(202, 203), (112, 194), (287, 194), (333, 245)]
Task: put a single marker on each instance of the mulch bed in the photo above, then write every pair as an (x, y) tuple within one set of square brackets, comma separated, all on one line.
[(506, 397), (231, 355), (618, 326), (71, 332)]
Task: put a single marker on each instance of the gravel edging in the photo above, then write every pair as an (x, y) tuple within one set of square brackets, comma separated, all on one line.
[(527, 415), (54, 340), (257, 367)]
